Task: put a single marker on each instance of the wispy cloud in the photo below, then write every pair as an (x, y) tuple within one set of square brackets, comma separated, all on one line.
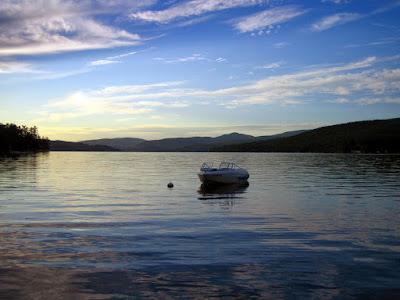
[(193, 21), (191, 58), (113, 100), (345, 17), (273, 65), (12, 67), (351, 81), (383, 41), (339, 100), (335, 20), (38, 27), (102, 62), (280, 45), (378, 100), (111, 59), (268, 18), (337, 1), (220, 59), (190, 9)]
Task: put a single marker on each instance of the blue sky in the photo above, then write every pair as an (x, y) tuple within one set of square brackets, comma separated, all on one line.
[(153, 69)]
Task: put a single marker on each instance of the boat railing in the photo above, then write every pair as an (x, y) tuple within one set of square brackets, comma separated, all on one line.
[(223, 165), (228, 165), (207, 166)]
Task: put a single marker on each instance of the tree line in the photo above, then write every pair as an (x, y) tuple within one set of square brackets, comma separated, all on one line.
[(14, 138), (377, 136)]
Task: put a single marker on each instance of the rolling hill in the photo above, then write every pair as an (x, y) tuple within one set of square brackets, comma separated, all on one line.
[(76, 146), (123, 144), (378, 136), (190, 144)]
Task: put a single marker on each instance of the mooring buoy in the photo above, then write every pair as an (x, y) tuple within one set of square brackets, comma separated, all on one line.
[(170, 185)]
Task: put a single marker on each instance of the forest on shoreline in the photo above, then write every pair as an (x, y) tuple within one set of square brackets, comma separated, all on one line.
[(14, 139)]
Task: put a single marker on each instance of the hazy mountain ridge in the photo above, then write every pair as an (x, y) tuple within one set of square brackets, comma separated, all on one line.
[(117, 143), (280, 135), (382, 136), (171, 144), (78, 146), (377, 136), (189, 144)]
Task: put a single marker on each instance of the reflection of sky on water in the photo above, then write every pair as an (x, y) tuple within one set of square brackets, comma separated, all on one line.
[(320, 225)]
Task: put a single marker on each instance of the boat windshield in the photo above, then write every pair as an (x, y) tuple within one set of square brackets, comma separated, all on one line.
[(207, 166), (228, 165), (223, 165)]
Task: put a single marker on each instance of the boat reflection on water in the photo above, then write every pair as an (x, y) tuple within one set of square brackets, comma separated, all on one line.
[(224, 195)]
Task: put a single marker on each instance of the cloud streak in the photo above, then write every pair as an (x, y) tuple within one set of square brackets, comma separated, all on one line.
[(113, 100), (111, 59), (43, 27), (335, 20), (191, 9), (345, 17), (358, 82), (268, 18), (12, 67), (191, 58)]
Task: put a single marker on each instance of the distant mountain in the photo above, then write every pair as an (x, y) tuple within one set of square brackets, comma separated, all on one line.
[(233, 137), (76, 146), (117, 143), (191, 144), (171, 144), (280, 135), (378, 136)]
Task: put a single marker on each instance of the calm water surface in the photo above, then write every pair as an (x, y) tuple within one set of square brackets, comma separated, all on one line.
[(104, 225)]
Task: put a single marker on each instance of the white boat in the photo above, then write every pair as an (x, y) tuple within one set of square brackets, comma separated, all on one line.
[(226, 173)]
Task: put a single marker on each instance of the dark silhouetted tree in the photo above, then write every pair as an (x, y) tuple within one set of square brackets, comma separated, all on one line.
[(21, 138)]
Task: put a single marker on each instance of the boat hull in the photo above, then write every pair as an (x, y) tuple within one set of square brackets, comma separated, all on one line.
[(217, 177)]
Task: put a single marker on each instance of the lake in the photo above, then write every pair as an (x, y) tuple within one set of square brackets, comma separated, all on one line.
[(93, 225)]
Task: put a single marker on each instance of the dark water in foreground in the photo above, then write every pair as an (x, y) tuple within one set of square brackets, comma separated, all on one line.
[(104, 225)]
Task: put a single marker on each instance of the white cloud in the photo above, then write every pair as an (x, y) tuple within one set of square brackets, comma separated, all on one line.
[(102, 62), (193, 21), (273, 65), (191, 8), (342, 18), (337, 1), (380, 42), (268, 18), (352, 79), (111, 59), (339, 100), (10, 67), (349, 81), (114, 100), (191, 58), (335, 20), (281, 45), (37, 27), (385, 100)]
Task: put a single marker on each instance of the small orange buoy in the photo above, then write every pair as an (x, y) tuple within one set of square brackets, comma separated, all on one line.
[(170, 185)]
